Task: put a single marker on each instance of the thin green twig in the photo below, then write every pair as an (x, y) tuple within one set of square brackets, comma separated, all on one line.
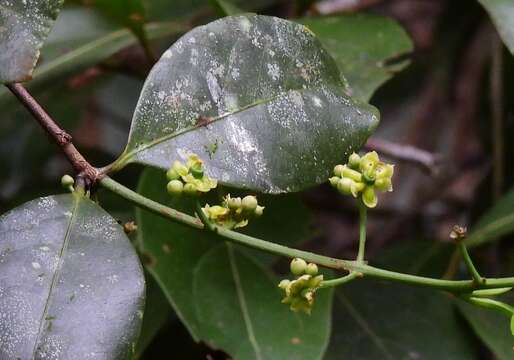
[(454, 286), (362, 230), (469, 263)]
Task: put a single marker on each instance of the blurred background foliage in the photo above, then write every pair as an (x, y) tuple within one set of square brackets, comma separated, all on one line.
[(449, 77)]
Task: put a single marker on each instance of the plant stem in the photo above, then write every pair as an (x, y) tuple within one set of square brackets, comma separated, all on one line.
[(340, 281), (60, 137), (469, 263), (454, 286), (363, 218)]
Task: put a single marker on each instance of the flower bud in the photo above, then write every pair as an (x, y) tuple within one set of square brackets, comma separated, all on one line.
[(190, 189), (172, 174), (346, 186), (354, 161), (284, 284), (334, 180), (180, 168), (249, 203), (259, 210), (298, 266), (67, 181), (175, 187), (338, 170), (311, 269), (233, 203), (369, 197), (352, 174)]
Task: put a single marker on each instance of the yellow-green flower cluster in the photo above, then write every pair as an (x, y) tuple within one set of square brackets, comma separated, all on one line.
[(189, 178), (362, 176), (234, 212), (300, 292)]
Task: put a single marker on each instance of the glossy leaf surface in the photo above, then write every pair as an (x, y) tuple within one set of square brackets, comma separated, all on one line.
[(71, 285), (258, 97)]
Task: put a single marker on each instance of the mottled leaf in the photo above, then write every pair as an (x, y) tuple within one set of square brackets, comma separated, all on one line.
[(71, 285), (172, 252), (496, 222), (502, 14), (492, 328), (239, 310), (367, 48), (378, 320), (258, 97), (24, 25)]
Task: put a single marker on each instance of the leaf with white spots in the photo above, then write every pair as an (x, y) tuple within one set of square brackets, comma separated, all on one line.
[(257, 98), (24, 26), (71, 285)]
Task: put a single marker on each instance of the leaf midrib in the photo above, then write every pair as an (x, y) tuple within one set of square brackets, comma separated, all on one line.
[(128, 155), (242, 303), (55, 277)]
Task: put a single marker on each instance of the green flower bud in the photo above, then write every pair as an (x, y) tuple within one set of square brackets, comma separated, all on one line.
[(334, 180), (175, 187), (233, 203), (190, 189), (67, 181), (298, 266), (259, 210), (369, 197), (384, 184), (311, 269), (359, 186), (354, 161), (180, 168), (284, 284), (338, 170), (172, 174), (249, 203), (371, 156), (347, 186), (352, 174)]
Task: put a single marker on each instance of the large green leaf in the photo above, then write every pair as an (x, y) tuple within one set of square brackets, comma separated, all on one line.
[(279, 119), (24, 25), (492, 328), (71, 285), (238, 308), (496, 222), (386, 321), (363, 45), (173, 251), (502, 13)]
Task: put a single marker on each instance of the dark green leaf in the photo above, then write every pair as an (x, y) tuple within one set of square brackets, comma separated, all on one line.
[(278, 118), (496, 222), (239, 310), (172, 252), (24, 25), (71, 285), (502, 13), (364, 47), (382, 320), (492, 328)]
